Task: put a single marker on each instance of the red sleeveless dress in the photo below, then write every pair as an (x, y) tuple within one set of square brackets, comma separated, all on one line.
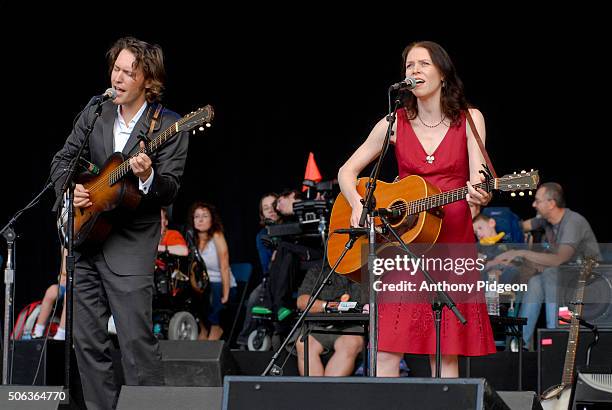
[(408, 326)]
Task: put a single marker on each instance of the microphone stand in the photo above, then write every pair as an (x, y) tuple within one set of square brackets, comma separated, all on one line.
[(369, 204), (440, 299), (273, 368), (68, 190), (10, 236)]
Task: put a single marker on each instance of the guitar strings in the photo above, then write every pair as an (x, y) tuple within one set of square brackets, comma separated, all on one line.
[(429, 202), (123, 168)]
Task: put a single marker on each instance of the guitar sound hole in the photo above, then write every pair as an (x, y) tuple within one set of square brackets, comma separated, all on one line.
[(396, 220)]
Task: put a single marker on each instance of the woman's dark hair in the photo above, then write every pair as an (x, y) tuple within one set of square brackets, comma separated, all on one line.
[(215, 225), (147, 56), (452, 98)]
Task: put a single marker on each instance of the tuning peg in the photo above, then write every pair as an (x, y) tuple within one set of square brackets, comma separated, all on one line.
[(208, 125), (514, 173), (521, 193), (513, 194), (194, 131), (530, 193), (523, 172), (201, 128), (531, 169)]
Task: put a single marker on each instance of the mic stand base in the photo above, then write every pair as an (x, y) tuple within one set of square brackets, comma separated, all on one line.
[(437, 309)]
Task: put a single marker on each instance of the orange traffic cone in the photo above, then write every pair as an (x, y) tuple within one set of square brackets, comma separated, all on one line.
[(312, 172)]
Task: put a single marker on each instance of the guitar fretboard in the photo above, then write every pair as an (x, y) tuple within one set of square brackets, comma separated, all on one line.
[(574, 333), (151, 146), (444, 198)]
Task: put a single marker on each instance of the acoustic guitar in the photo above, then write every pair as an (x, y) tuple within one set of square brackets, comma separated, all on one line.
[(110, 191), (420, 205), (558, 397)]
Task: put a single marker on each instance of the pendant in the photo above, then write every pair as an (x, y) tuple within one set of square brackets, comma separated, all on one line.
[(429, 159)]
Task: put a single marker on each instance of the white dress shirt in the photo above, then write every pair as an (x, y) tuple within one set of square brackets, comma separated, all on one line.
[(121, 134)]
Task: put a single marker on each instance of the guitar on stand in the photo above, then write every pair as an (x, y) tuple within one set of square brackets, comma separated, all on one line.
[(558, 397)]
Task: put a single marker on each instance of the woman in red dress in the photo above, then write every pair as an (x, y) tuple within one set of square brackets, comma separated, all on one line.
[(431, 140)]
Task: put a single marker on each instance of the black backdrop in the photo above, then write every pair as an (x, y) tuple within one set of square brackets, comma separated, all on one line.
[(285, 86)]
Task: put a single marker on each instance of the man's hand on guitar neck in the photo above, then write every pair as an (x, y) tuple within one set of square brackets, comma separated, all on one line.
[(81, 197), (141, 164)]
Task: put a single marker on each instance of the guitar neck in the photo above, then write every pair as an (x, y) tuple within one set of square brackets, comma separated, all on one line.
[(151, 146), (574, 333), (444, 198)]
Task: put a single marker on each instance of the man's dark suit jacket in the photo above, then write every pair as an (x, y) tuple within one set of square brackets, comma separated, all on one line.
[(132, 245)]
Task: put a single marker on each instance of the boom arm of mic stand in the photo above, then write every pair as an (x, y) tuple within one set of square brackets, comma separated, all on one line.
[(9, 278), (367, 201), (349, 245)]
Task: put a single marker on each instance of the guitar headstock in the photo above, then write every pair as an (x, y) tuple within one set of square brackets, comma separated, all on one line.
[(523, 181), (198, 118), (588, 264)]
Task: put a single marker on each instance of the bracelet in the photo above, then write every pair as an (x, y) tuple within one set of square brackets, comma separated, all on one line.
[(324, 306)]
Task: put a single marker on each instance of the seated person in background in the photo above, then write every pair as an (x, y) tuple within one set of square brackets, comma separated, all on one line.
[(346, 348), (212, 246), (53, 293), (284, 203), (490, 244), (171, 241), (569, 237), (267, 216), (285, 273)]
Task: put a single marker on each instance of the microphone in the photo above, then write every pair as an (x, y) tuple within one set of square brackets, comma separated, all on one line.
[(109, 95), (353, 231), (407, 83)]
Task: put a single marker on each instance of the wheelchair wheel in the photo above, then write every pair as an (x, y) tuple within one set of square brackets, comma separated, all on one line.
[(259, 341), (183, 326)]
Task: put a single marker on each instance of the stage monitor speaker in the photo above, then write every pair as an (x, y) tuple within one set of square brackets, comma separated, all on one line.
[(356, 393), (597, 307), (552, 345), (196, 363), (593, 390), (169, 397), (30, 397), (27, 354), (500, 369)]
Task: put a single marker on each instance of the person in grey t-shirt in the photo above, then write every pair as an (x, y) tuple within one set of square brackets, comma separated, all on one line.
[(570, 238)]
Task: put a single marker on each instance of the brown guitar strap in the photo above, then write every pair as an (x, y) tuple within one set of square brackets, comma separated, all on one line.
[(468, 116), (154, 120)]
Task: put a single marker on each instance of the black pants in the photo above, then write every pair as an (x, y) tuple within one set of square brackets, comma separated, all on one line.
[(98, 292)]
